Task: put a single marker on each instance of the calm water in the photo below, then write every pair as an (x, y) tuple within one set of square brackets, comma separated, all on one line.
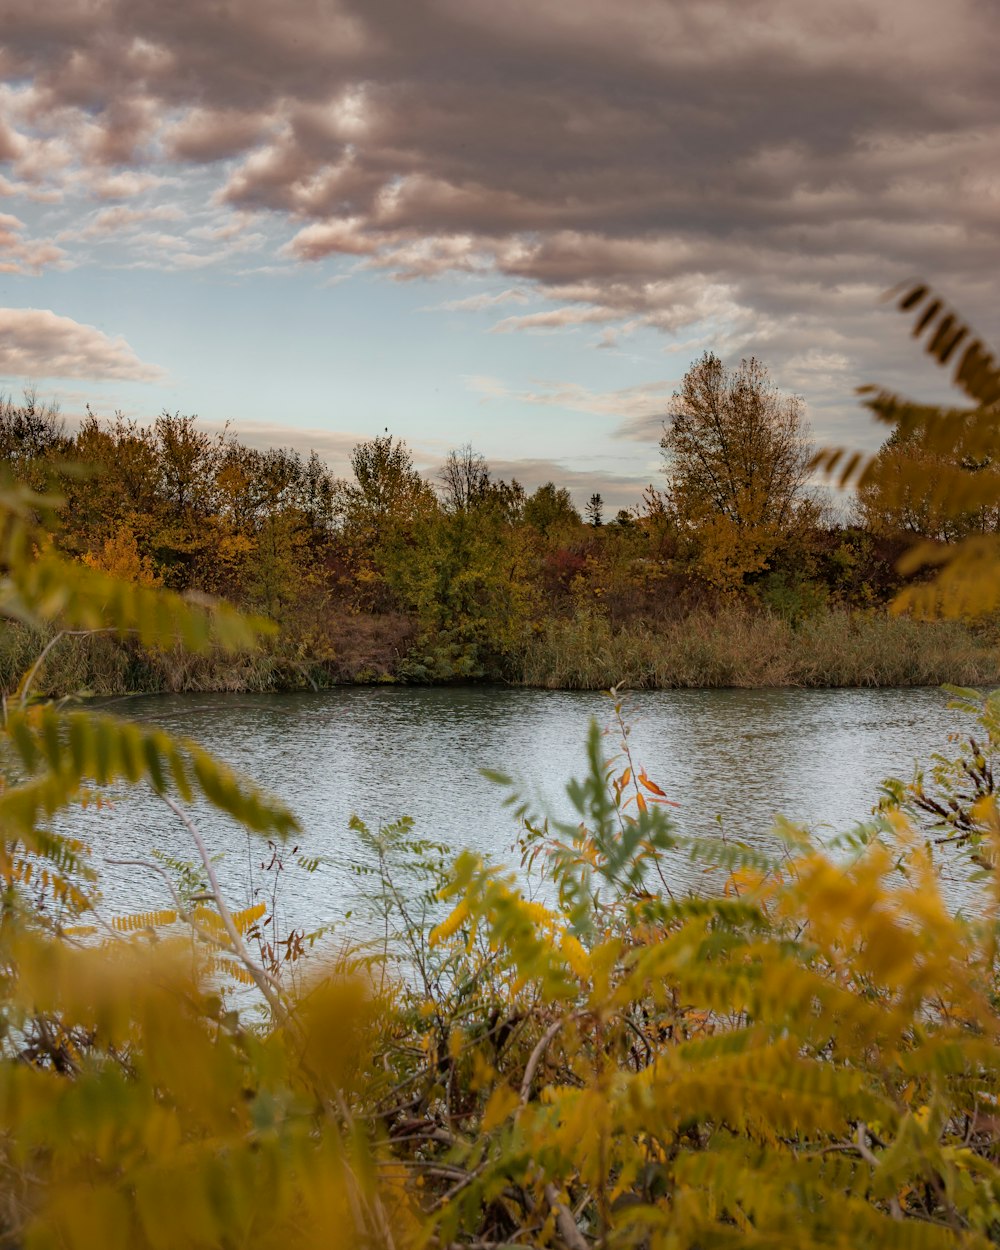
[(815, 756)]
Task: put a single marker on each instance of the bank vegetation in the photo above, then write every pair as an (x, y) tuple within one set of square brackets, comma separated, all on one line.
[(729, 572)]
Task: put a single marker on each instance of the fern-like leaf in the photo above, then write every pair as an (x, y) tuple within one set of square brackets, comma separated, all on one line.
[(943, 331)]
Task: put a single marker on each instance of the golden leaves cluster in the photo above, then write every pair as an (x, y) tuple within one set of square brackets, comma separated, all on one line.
[(938, 475)]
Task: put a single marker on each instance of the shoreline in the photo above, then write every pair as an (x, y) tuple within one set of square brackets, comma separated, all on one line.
[(732, 649)]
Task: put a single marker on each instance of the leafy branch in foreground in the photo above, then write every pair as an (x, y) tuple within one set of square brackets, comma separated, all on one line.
[(961, 484), (811, 1059)]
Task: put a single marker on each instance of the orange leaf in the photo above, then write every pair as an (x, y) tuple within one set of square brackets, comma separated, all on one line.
[(651, 786)]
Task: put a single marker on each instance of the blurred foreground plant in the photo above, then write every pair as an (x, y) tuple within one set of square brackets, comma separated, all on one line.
[(135, 1108), (941, 463)]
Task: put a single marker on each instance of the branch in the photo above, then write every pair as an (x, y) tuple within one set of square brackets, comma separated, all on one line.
[(536, 1057), (264, 982), (567, 1226), (865, 1151)]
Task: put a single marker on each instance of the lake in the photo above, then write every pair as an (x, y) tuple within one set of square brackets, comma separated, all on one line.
[(816, 756)]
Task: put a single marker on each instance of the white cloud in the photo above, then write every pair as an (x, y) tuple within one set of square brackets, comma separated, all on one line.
[(477, 303), (20, 255), (641, 403), (38, 343), (557, 319)]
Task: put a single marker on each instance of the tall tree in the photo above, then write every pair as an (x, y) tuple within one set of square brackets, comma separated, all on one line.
[(735, 446), (736, 464)]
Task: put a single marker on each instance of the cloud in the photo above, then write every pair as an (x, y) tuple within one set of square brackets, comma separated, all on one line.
[(212, 135), (556, 319), (112, 222), (618, 490), (635, 407), (322, 239), (477, 303), (37, 343), (132, 230), (123, 186), (743, 172), (19, 255)]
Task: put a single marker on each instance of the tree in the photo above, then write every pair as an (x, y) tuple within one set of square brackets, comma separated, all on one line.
[(465, 480), (385, 483), (964, 480), (736, 464), (551, 508), (595, 510), (735, 446), (31, 433), (903, 493), (189, 461)]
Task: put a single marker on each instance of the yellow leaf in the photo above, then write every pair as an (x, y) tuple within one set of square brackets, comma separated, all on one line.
[(501, 1103), (450, 926)]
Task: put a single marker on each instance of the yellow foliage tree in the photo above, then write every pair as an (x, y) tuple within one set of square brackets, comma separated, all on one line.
[(736, 462), (120, 556)]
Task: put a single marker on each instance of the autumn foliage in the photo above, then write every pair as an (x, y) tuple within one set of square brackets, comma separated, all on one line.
[(570, 1055), (386, 575)]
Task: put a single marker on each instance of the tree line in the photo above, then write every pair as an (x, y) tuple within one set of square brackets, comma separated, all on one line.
[(387, 574)]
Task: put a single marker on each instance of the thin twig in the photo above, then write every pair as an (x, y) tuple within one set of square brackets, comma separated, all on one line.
[(264, 982), (461, 1184), (865, 1151)]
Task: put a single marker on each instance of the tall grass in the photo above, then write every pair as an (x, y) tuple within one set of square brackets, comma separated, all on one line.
[(102, 665), (733, 647), (739, 647)]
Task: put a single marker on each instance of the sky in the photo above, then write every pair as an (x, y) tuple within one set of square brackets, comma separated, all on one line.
[(507, 223)]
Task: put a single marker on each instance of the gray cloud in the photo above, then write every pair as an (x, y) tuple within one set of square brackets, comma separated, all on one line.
[(37, 343), (618, 490), (750, 172)]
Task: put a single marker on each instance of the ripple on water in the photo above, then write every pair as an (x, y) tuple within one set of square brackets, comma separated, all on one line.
[(816, 756)]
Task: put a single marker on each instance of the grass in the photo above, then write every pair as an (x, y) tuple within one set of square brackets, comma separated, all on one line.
[(734, 647), (740, 648)]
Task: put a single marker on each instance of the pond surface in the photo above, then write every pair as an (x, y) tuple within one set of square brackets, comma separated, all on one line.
[(816, 756)]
